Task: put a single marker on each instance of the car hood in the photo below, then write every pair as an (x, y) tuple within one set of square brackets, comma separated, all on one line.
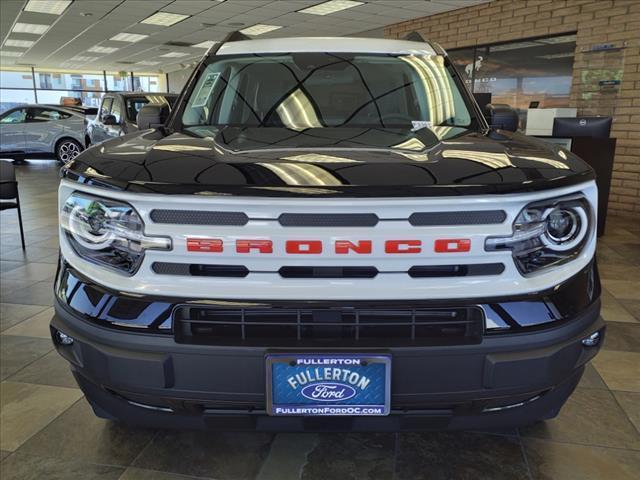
[(327, 162)]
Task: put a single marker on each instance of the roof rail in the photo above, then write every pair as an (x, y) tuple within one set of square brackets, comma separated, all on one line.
[(234, 36), (417, 37), (438, 49), (414, 37)]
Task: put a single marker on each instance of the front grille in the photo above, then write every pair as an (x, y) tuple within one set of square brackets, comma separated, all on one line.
[(330, 327), (311, 271), (365, 219)]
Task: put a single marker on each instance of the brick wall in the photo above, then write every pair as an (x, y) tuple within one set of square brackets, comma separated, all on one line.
[(596, 22)]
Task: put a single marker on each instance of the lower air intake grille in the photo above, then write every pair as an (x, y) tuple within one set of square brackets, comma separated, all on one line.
[(331, 327)]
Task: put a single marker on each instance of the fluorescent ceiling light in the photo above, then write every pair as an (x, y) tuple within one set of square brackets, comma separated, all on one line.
[(174, 54), (332, 6), (53, 7), (207, 44), (84, 59), (102, 49), (164, 19), (147, 62), (19, 43), (35, 28), (128, 37), (259, 29), (10, 54)]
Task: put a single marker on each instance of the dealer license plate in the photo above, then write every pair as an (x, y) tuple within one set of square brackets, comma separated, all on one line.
[(330, 385)]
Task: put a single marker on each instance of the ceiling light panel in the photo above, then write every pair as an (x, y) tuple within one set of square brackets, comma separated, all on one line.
[(84, 59), (332, 6), (147, 62), (175, 55), (34, 28), (259, 29), (128, 37), (18, 43), (207, 44), (164, 19), (10, 54), (52, 7), (102, 49)]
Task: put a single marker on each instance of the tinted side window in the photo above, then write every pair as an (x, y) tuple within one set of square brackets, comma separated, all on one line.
[(105, 108), (43, 115), (17, 116), (134, 105)]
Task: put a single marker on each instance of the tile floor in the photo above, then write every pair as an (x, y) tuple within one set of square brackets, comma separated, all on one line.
[(47, 430)]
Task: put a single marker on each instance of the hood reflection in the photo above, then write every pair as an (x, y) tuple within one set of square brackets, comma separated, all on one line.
[(328, 161)]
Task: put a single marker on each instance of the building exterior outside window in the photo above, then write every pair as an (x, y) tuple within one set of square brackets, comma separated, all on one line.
[(46, 86)]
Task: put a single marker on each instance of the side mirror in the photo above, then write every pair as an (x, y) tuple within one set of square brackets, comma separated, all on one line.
[(503, 117), (152, 116), (109, 119)]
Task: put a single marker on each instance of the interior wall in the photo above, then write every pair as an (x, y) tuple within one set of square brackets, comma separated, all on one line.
[(607, 48)]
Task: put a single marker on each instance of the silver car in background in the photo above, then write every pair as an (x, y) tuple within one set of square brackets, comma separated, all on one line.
[(42, 131)]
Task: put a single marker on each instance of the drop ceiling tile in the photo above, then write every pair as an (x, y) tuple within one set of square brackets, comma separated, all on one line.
[(188, 7)]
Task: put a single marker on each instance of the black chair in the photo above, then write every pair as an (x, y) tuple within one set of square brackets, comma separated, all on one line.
[(9, 197)]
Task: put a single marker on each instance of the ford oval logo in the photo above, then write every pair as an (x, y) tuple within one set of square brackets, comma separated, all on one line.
[(328, 392)]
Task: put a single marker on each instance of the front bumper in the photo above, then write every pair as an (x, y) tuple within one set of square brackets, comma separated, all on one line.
[(505, 380)]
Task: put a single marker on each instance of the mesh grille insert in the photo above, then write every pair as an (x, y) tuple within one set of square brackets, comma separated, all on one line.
[(480, 217), (198, 217), (200, 270), (424, 271), (328, 272), (328, 219)]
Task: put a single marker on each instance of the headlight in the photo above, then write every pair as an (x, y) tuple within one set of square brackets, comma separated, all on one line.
[(107, 232), (547, 233)]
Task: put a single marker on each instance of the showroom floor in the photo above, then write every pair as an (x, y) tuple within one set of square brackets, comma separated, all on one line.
[(47, 430)]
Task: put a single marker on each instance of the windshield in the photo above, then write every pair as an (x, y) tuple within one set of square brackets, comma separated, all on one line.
[(316, 90)]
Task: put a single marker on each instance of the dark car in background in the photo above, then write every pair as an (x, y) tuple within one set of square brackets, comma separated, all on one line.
[(118, 114)]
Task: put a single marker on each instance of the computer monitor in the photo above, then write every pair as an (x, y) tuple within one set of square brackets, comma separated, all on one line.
[(594, 127)]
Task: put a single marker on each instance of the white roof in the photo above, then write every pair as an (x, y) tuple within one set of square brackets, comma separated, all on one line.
[(326, 44)]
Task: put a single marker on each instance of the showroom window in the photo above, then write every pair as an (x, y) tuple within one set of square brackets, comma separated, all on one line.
[(518, 73), (20, 87)]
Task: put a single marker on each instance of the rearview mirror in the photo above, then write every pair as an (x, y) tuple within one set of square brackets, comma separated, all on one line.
[(502, 117), (152, 116)]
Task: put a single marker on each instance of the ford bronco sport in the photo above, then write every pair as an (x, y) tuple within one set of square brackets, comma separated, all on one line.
[(326, 233)]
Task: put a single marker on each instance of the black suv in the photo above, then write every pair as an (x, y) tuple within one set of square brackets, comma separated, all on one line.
[(326, 234)]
